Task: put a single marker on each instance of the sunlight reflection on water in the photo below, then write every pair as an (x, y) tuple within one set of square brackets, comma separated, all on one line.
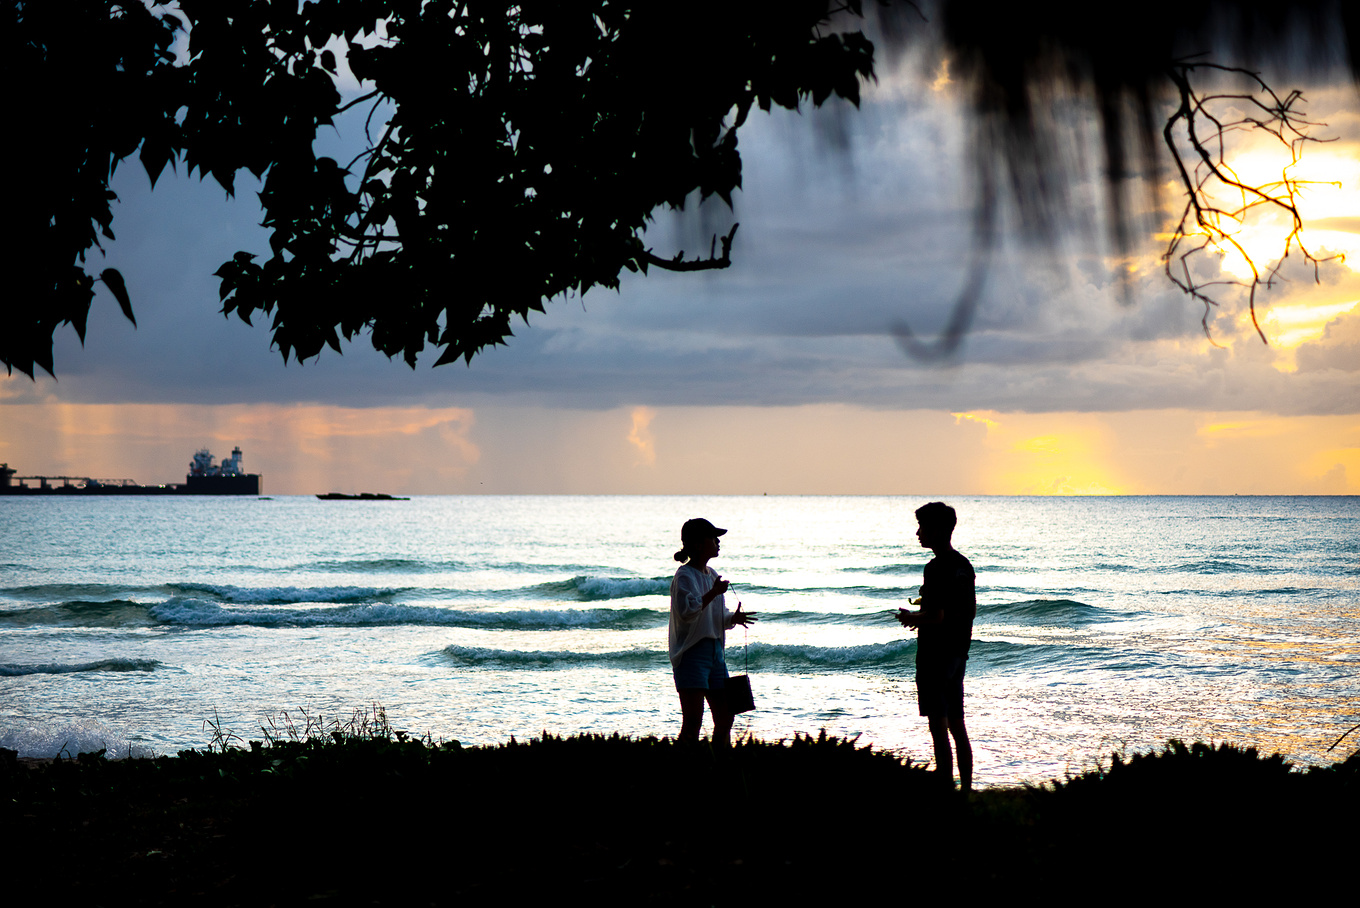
[(1104, 624)]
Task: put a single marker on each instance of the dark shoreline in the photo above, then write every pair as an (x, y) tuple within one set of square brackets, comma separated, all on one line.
[(390, 820)]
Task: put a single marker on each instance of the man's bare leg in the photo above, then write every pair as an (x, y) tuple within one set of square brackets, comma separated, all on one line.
[(965, 749), (944, 758)]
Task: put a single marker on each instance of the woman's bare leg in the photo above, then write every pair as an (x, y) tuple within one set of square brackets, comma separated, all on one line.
[(722, 718), (691, 714)]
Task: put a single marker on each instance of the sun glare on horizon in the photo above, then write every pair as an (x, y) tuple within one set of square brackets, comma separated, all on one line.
[(1046, 454)]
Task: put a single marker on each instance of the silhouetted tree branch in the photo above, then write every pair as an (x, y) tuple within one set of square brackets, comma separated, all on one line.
[(679, 264), (1205, 224), (524, 148)]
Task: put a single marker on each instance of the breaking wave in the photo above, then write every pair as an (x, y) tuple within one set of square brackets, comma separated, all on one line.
[(201, 613), (11, 670)]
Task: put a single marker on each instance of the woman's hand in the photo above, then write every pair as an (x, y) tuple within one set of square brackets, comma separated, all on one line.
[(906, 618), (745, 619), (719, 587)]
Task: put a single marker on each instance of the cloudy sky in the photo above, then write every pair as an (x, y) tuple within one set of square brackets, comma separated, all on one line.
[(781, 374)]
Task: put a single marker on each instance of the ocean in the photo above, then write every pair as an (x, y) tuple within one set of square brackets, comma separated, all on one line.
[(148, 625)]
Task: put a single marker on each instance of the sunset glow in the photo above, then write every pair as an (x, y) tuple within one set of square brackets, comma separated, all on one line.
[(641, 436), (310, 449)]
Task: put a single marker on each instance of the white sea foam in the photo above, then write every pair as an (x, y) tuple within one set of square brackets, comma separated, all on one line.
[(69, 739), (620, 588)]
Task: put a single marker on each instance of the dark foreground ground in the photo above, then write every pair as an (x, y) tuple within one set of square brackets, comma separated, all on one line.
[(376, 820)]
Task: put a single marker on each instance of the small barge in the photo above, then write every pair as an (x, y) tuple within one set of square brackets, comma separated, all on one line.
[(362, 496)]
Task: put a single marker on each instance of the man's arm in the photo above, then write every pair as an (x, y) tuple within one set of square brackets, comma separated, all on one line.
[(925, 617)]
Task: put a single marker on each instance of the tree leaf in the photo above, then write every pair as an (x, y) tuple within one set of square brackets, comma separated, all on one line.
[(113, 279)]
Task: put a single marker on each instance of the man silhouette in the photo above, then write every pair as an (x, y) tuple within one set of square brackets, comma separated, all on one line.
[(944, 628)]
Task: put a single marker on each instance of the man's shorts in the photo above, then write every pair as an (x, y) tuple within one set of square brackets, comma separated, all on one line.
[(939, 688), (701, 666)]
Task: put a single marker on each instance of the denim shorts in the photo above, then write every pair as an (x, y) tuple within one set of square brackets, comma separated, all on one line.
[(701, 667)]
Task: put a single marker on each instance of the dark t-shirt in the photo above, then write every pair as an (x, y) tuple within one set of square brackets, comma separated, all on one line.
[(949, 584)]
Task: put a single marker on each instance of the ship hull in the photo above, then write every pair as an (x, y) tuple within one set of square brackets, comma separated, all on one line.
[(249, 484), (195, 485)]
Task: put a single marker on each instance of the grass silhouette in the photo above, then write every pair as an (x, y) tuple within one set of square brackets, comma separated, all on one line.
[(358, 813)]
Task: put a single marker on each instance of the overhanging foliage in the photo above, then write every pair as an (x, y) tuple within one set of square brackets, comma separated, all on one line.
[(515, 151)]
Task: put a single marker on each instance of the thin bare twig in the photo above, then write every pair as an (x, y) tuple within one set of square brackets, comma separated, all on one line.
[(357, 101), (1342, 738), (1204, 172)]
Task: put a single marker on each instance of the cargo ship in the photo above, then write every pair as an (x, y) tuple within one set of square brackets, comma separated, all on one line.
[(204, 478)]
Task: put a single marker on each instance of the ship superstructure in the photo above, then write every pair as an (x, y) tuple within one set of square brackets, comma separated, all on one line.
[(228, 478)]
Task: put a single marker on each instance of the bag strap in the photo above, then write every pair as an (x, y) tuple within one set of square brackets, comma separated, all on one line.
[(745, 641)]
